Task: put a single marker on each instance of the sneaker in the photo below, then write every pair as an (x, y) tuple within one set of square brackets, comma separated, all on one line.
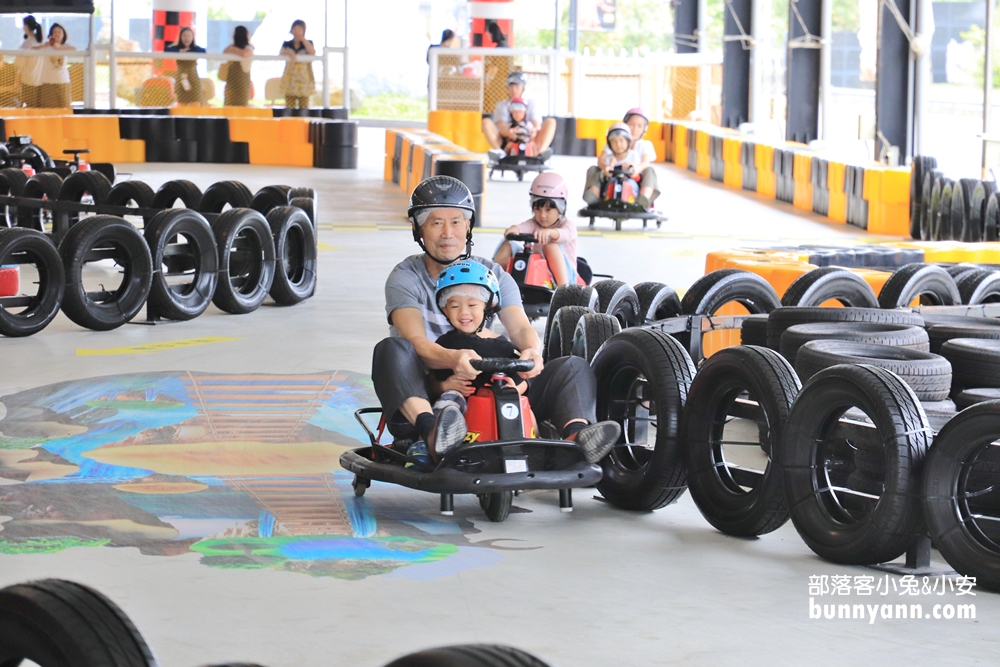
[(496, 154), (419, 453), (449, 431), (545, 155), (642, 201), (450, 397), (597, 440)]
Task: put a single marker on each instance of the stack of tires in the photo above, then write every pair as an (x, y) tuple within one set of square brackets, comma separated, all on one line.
[(945, 209), (257, 245), (335, 144)]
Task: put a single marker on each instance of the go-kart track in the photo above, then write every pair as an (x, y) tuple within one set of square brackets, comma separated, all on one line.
[(135, 461)]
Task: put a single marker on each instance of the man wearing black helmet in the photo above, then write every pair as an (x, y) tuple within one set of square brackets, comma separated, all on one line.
[(498, 128), (563, 391)]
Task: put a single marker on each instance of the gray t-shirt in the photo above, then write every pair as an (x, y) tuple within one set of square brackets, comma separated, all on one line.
[(501, 112), (410, 285)]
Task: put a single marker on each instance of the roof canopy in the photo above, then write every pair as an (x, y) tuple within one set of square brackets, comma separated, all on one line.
[(46, 6)]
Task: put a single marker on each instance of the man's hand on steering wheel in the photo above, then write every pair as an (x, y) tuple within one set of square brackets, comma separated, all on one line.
[(537, 358), (463, 370)]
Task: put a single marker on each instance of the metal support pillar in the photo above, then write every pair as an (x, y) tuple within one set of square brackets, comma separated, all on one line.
[(573, 26), (894, 83), (737, 47), (686, 25), (761, 33), (805, 19)]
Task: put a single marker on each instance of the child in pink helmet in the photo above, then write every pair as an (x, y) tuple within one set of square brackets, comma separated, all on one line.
[(555, 234), (639, 157)]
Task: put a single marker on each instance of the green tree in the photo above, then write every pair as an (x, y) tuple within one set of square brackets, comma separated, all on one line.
[(638, 24)]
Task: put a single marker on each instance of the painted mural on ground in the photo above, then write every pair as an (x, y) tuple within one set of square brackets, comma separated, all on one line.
[(240, 469)]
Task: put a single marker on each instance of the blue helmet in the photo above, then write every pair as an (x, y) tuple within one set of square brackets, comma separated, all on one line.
[(473, 274)]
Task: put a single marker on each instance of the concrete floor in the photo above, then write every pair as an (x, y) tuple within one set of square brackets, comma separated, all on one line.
[(596, 587)]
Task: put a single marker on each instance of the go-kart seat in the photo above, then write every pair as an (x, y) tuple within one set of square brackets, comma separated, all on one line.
[(584, 271)]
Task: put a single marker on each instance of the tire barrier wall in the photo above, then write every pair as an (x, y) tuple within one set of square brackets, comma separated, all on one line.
[(176, 266), (411, 155), (258, 136)]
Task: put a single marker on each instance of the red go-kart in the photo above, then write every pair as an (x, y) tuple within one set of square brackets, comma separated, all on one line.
[(502, 452), (531, 273)]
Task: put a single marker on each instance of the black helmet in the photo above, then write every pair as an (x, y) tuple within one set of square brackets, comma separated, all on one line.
[(517, 77), (441, 192)]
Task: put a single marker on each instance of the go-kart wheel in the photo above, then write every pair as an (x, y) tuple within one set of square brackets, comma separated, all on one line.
[(619, 300), (563, 326), (360, 485), (496, 505)]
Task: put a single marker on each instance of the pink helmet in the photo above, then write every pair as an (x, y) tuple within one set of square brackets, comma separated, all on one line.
[(636, 112), (549, 185), (620, 128)]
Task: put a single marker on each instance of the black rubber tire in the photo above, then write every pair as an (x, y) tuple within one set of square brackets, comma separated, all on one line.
[(36, 246), (750, 373), (137, 192), (218, 195), (201, 257), (974, 327), (133, 256), (978, 287), (782, 318), (929, 375), (76, 185), (944, 229), (657, 302), (753, 331), (496, 506), (592, 331), (11, 184), (925, 207), (253, 271), (953, 498), (991, 219), (45, 185), (171, 191), (870, 535), (713, 290), (308, 205), (56, 623), (961, 193), (931, 284), (472, 655), (916, 184), (619, 300), (567, 295), (958, 271), (654, 362), (934, 211), (562, 329), (268, 197), (308, 193), (969, 397), (294, 255), (829, 282), (976, 223), (975, 362), (897, 335)]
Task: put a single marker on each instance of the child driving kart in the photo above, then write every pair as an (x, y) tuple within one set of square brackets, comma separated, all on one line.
[(555, 234), (523, 131), (635, 156), (468, 293)]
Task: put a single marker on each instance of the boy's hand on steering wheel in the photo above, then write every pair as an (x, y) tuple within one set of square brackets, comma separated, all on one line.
[(539, 364), (463, 387), (463, 370)]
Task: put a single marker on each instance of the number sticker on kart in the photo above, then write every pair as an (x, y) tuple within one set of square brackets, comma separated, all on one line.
[(509, 411), (515, 465)]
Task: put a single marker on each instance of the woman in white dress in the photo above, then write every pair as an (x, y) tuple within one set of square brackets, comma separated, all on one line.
[(55, 88), (30, 67)]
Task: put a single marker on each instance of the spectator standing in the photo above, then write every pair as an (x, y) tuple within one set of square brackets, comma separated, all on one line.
[(188, 82), (55, 88), (298, 82), (30, 67), (238, 72)]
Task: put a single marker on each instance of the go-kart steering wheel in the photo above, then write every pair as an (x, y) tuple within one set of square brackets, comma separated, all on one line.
[(502, 365), (521, 238), (619, 171)]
